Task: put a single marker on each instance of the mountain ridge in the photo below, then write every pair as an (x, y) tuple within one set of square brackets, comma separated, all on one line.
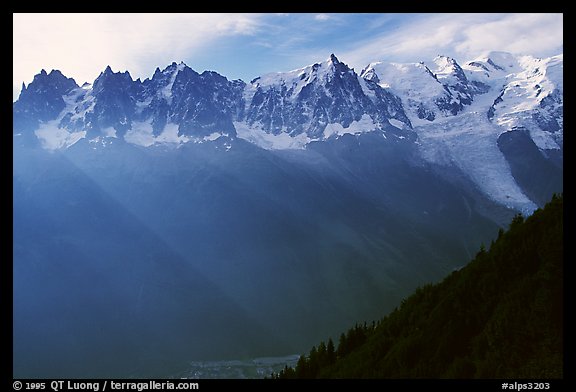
[(454, 114), (457, 91)]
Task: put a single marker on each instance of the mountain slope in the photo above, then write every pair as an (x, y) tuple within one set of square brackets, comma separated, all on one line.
[(501, 316), (169, 234)]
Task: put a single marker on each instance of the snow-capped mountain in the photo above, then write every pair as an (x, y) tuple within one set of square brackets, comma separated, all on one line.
[(314, 103), (178, 105), (459, 113), (189, 217), (455, 114)]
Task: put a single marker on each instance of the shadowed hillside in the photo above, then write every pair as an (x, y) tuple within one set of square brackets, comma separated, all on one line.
[(501, 316)]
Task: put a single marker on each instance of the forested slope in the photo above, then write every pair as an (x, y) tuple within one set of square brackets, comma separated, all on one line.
[(501, 316)]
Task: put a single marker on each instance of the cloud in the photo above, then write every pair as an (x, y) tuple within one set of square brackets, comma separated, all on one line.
[(82, 45), (463, 36), (518, 33), (322, 17)]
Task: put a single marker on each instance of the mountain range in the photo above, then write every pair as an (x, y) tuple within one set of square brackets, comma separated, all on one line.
[(449, 111), (189, 217)]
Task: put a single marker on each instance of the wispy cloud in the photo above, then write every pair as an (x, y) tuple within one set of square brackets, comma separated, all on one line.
[(517, 33), (322, 17), (463, 36)]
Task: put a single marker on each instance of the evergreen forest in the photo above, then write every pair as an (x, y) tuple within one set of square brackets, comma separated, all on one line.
[(500, 316)]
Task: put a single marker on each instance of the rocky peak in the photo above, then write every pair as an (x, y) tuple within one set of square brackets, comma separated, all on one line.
[(42, 99)]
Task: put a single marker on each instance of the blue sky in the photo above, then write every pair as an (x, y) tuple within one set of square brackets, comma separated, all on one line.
[(244, 46)]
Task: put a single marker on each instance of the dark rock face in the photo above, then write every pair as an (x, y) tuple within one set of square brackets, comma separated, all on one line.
[(199, 104), (115, 102), (387, 105), (461, 91), (321, 94), (551, 114), (535, 172), (42, 100)]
